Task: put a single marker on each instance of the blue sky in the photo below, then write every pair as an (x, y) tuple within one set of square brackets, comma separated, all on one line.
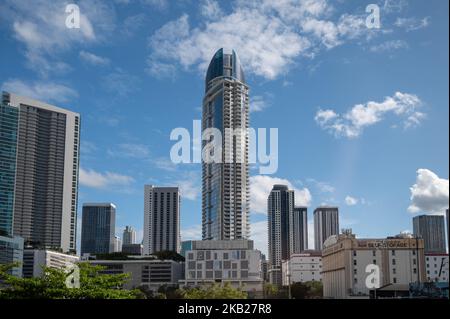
[(362, 113)]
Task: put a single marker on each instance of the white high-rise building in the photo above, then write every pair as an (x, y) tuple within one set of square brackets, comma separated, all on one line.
[(161, 219), (129, 236), (225, 185), (46, 173)]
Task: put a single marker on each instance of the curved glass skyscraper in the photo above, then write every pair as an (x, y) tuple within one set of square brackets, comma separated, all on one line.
[(225, 184)]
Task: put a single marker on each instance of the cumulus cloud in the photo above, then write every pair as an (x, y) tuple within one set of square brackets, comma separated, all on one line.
[(40, 90), (94, 179), (351, 201), (259, 235), (189, 185), (430, 193), (354, 121), (191, 233), (40, 26), (93, 59), (268, 35), (260, 187)]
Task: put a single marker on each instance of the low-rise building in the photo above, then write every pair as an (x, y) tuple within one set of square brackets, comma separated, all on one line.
[(11, 251), (349, 264), (133, 249), (152, 273), (35, 259), (302, 267), (437, 267), (224, 261)]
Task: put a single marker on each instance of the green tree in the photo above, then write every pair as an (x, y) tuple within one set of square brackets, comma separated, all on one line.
[(52, 285), (307, 290), (270, 291), (214, 291), (168, 255)]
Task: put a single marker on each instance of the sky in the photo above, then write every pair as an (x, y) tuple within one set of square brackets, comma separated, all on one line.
[(362, 113)]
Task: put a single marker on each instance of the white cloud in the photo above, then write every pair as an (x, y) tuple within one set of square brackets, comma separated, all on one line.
[(258, 103), (351, 201), (91, 178), (40, 26), (353, 122), (210, 9), (93, 59), (268, 35), (323, 187), (389, 46), (40, 90), (191, 233), (259, 235), (260, 187), (139, 151), (120, 82), (189, 185), (430, 193), (412, 24)]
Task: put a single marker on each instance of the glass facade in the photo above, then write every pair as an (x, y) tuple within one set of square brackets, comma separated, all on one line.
[(98, 228), (9, 118), (225, 187)]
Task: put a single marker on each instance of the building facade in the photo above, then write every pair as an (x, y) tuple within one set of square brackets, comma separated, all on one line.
[(303, 267), (129, 236), (298, 229), (98, 228), (9, 123), (11, 251), (46, 173), (224, 261), (144, 272), (432, 229), (437, 267), (117, 244), (280, 206), (161, 219), (347, 262), (326, 224), (225, 175), (133, 249), (35, 259), (185, 246)]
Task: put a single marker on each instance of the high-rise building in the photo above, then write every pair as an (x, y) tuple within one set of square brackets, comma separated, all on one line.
[(326, 224), (46, 173), (117, 244), (225, 182), (280, 207), (98, 228), (9, 121), (129, 236), (298, 228), (432, 229), (161, 219)]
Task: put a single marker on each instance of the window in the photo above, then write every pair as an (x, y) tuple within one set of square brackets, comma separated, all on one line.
[(354, 262), (199, 266), (355, 271), (414, 253), (393, 261), (394, 280), (394, 271), (191, 265), (374, 253), (393, 252), (374, 261), (244, 264), (354, 253), (355, 280), (415, 270), (414, 261)]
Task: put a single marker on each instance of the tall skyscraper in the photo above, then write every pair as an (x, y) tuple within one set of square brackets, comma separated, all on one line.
[(46, 173), (280, 207), (129, 236), (9, 121), (298, 228), (326, 223), (225, 184), (98, 228), (161, 219), (432, 229)]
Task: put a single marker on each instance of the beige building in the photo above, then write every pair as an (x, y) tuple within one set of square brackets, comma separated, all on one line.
[(345, 259), (35, 259), (303, 267)]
